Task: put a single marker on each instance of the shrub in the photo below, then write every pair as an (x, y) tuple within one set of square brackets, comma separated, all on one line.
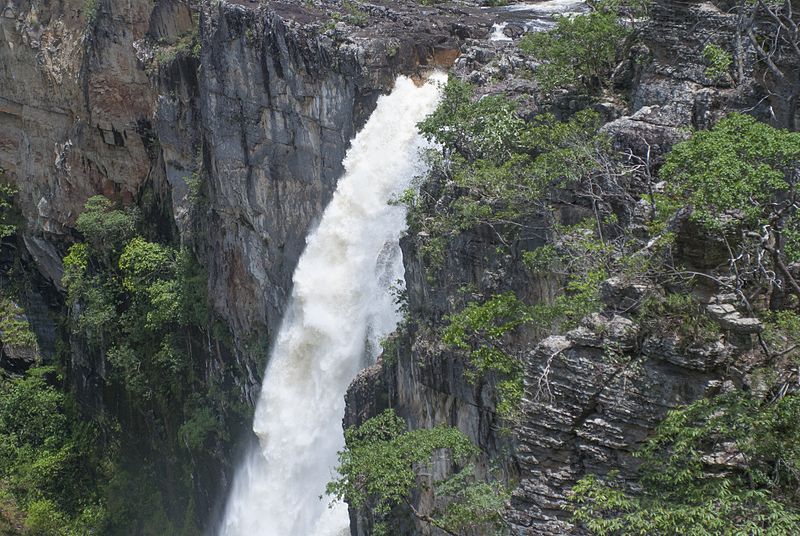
[(15, 330), (382, 462), (580, 52), (90, 11), (727, 465), (9, 216), (737, 168), (498, 171), (481, 329), (718, 61), (187, 45), (106, 228)]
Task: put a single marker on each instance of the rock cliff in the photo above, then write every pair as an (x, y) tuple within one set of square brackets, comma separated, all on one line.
[(225, 123), (581, 412)]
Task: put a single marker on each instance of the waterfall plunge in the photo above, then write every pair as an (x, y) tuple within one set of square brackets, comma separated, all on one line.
[(341, 305)]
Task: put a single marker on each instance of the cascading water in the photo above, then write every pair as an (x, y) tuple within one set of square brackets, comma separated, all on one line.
[(341, 305)]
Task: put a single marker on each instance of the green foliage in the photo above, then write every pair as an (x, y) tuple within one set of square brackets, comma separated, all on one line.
[(481, 329), (736, 169), (580, 52), (9, 216), (129, 293), (44, 519), (135, 504), (540, 260), (355, 14), (782, 332), (718, 59), (727, 465), (664, 207), (741, 180), (15, 330), (141, 304), (106, 228), (91, 9), (196, 194), (382, 463), (495, 169), (483, 128), (76, 263), (187, 45), (201, 425), (49, 461), (30, 410), (583, 261), (142, 307), (474, 503)]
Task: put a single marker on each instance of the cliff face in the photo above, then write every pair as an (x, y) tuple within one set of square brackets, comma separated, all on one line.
[(581, 413), (75, 107), (225, 123), (106, 102), (279, 102)]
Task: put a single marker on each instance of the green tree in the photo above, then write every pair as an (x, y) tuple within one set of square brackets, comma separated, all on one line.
[(741, 177), (382, 463), (48, 459), (105, 227), (476, 128), (580, 52)]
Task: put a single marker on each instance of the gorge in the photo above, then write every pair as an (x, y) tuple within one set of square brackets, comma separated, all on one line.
[(253, 265)]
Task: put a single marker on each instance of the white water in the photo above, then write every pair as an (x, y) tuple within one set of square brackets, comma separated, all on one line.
[(497, 32), (341, 306), (533, 16)]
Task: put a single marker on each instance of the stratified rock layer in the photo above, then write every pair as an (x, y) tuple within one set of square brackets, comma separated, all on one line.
[(594, 394)]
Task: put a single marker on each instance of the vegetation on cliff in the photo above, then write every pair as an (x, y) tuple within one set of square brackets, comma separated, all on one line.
[(381, 466), (727, 464), (140, 306), (521, 180)]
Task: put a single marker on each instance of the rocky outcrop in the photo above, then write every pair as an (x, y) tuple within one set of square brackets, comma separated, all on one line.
[(595, 393)]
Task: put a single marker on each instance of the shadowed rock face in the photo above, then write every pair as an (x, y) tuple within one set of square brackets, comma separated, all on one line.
[(269, 115), (114, 102)]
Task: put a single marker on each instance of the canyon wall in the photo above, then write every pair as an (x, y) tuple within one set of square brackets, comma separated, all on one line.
[(226, 124), (581, 413)]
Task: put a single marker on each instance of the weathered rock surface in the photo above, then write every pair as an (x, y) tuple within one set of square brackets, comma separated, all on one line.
[(233, 150), (594, 394)]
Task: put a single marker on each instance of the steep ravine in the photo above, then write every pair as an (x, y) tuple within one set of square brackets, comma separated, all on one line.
[(226, 123)]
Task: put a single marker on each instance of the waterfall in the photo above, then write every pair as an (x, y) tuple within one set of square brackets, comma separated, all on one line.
[(341, 305)]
